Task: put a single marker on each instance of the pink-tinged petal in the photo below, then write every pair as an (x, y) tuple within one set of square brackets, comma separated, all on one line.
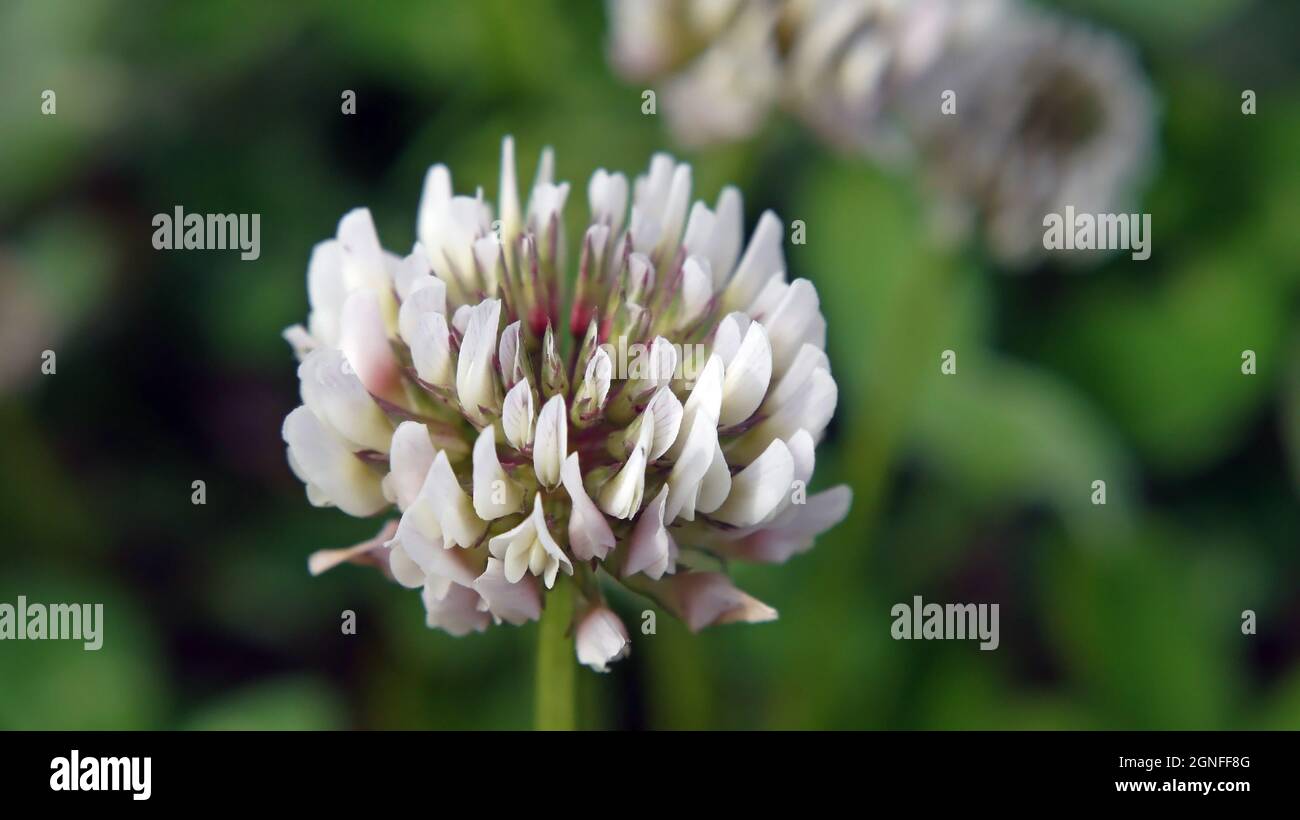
[(364, 341), (795, 531), (368, 553), (514, 603), (453, 608), (648, 550), (704, 599), (600, 639), (589, 533)]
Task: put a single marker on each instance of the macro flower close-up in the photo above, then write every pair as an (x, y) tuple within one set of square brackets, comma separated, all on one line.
[(727, 371), (642, 425)]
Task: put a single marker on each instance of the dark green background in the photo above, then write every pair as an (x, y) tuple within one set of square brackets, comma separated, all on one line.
[(968, 488)]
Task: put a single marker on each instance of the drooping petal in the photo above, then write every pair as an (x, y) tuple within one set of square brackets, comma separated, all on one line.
[(648, 549), (368, 552), (704, 599), (600, 638), (515, 603), (795, 531), (589, 533), (453, 608)]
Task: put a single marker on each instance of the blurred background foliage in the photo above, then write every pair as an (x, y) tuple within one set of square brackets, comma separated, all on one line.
[(968, 488)]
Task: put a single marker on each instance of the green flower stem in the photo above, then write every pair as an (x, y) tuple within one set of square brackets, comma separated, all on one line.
[(556, 664)]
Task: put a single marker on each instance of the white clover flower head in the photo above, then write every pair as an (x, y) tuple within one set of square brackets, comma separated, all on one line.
[(659, 418)]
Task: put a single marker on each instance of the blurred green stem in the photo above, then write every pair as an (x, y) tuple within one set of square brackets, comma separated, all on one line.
[(556, 667)]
